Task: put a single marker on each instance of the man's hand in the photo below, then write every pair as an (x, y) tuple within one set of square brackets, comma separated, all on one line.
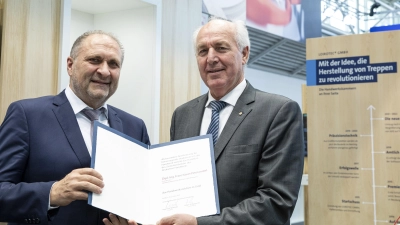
[(75, 186), (116, 220), (178, 219)]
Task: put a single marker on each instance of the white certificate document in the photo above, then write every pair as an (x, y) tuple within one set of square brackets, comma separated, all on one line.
[(146, 183)]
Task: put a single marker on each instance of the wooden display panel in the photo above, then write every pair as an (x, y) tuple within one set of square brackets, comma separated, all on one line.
[(353, 92), (180, 78), (29, 50)]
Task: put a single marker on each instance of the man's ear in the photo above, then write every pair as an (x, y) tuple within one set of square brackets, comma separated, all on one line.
[(245, 55), (70, 62)]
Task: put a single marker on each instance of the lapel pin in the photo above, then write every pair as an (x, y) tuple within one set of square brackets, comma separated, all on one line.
[(240, 113)]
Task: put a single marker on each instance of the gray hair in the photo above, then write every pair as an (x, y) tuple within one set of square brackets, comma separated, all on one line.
[(241, 36), (78, 42)]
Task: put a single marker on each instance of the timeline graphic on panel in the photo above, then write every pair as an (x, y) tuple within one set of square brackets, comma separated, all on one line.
[(353, 125)]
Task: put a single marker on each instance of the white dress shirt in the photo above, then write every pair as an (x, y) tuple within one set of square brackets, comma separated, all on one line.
[(84, 123), (231, 99)]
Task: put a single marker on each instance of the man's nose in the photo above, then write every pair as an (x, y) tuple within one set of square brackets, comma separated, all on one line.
[(212, 56), (104, 69)]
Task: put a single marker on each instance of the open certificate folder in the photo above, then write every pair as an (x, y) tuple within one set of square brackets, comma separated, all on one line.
[(146, 183)]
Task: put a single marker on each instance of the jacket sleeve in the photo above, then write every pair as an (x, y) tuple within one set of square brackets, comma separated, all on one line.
[(172, 127), (20, 202)]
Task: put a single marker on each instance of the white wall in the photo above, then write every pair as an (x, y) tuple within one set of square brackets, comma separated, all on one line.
[(277, 84), (80, 23), (136, 29), (272, 83)]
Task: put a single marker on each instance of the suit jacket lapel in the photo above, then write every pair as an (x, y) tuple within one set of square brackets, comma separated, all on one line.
[(67, 120), (242, 108), (196, 116), (114, 120)]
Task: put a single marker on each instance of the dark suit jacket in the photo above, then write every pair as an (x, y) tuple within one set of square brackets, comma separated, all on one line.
[(40, 143), (259, 157)]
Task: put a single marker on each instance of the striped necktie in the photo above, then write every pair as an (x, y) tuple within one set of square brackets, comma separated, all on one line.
[(214, 124)]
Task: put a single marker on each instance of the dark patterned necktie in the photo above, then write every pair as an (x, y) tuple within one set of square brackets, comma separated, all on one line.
[(214, 124), (92, 115)]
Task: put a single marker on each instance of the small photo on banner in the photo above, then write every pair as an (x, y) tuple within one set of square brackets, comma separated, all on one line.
[(292, 19)]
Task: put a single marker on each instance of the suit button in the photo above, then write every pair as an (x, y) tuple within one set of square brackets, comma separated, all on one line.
[(29, 221), (37, 220), (26, 220)]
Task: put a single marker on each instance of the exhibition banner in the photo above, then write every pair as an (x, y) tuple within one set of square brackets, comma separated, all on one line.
[(353, 125)]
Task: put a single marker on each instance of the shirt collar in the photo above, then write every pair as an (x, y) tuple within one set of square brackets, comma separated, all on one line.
[(232, 97), (77, 104)]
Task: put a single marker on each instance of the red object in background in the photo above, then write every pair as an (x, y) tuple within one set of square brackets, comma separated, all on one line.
[(263, 12)]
